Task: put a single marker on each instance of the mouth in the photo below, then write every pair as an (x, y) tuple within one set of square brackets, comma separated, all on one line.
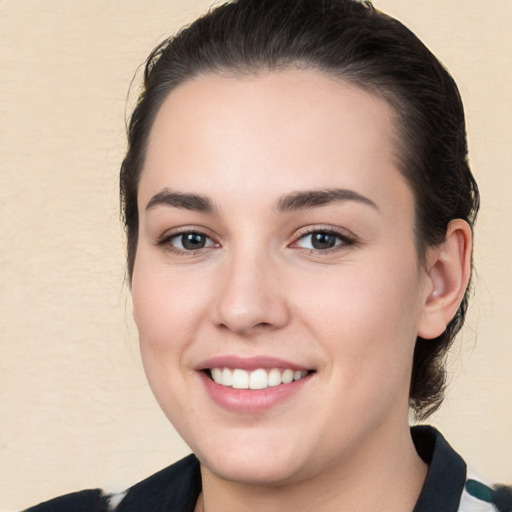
[(260, 378), (250, 385)]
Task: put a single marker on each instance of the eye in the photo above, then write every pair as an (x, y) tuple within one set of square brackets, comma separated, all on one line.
[(187, 242), (322, 240)]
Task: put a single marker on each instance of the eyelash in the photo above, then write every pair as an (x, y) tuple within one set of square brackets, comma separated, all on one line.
[(166, 242), (345, 241)]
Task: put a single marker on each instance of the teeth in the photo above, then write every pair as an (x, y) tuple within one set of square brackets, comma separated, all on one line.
[(217, 374), (227, 377), (257, 379), (240, 379), (287, 377), (274, 377)]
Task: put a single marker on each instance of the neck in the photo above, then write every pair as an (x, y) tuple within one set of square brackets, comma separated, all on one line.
[(387, 477)]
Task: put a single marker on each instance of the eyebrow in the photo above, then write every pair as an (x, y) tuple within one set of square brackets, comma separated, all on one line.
[(182, 200), (300, 200), (303, 200)]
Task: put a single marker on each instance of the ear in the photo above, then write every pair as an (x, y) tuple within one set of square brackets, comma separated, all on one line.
[(449, 271)]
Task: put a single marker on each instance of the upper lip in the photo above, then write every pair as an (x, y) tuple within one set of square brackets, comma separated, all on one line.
[(249, 363)]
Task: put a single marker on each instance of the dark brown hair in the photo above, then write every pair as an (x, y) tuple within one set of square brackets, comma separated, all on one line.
[(350, 40)]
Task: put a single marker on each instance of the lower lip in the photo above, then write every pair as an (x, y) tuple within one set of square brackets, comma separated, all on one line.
[(251, 400)]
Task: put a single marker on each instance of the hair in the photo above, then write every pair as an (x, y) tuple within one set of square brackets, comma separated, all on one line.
[(352, 41)]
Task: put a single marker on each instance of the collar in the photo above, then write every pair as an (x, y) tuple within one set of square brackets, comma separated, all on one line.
[(446, 474)]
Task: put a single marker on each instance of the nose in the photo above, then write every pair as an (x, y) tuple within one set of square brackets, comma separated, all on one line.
[(251, 298)]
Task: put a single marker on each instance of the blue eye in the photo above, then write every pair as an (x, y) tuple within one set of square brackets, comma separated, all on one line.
[(322, 240), (190, 241)]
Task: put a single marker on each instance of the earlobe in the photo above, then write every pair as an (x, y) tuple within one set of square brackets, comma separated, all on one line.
[(449, 271)]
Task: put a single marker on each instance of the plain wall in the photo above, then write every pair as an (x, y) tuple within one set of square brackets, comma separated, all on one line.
[(75, 409)]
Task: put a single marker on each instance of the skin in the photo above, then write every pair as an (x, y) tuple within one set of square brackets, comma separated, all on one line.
[(258, 287)]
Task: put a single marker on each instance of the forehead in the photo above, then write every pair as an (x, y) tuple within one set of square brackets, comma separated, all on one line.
[(291, 129)]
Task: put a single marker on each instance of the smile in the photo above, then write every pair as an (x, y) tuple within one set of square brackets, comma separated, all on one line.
[(238, 378)]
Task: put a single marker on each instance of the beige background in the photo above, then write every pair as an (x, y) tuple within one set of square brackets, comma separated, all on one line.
[(75, 410)]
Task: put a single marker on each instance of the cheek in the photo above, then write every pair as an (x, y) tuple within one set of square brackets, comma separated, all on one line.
[(367, 318), (165, 322), (165, 304), (166, 310)]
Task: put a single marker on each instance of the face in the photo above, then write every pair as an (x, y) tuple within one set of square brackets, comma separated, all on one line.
[(276, 287)]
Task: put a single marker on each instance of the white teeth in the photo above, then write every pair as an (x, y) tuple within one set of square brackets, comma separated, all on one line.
[(217, 374), (240, 379), (274, 377), (227, 377), (257, 379), (287, 376)]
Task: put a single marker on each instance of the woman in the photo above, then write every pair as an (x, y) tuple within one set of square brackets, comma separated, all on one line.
[(299, 212)]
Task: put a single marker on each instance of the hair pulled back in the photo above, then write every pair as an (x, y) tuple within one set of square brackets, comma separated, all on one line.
[(352, 41)]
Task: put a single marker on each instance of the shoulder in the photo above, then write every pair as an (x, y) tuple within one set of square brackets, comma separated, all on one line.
[(449, 486), (175, 488), (93, 500)]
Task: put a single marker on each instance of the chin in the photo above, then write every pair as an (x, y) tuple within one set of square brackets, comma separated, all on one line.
[(253, 461), (252, 470)]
